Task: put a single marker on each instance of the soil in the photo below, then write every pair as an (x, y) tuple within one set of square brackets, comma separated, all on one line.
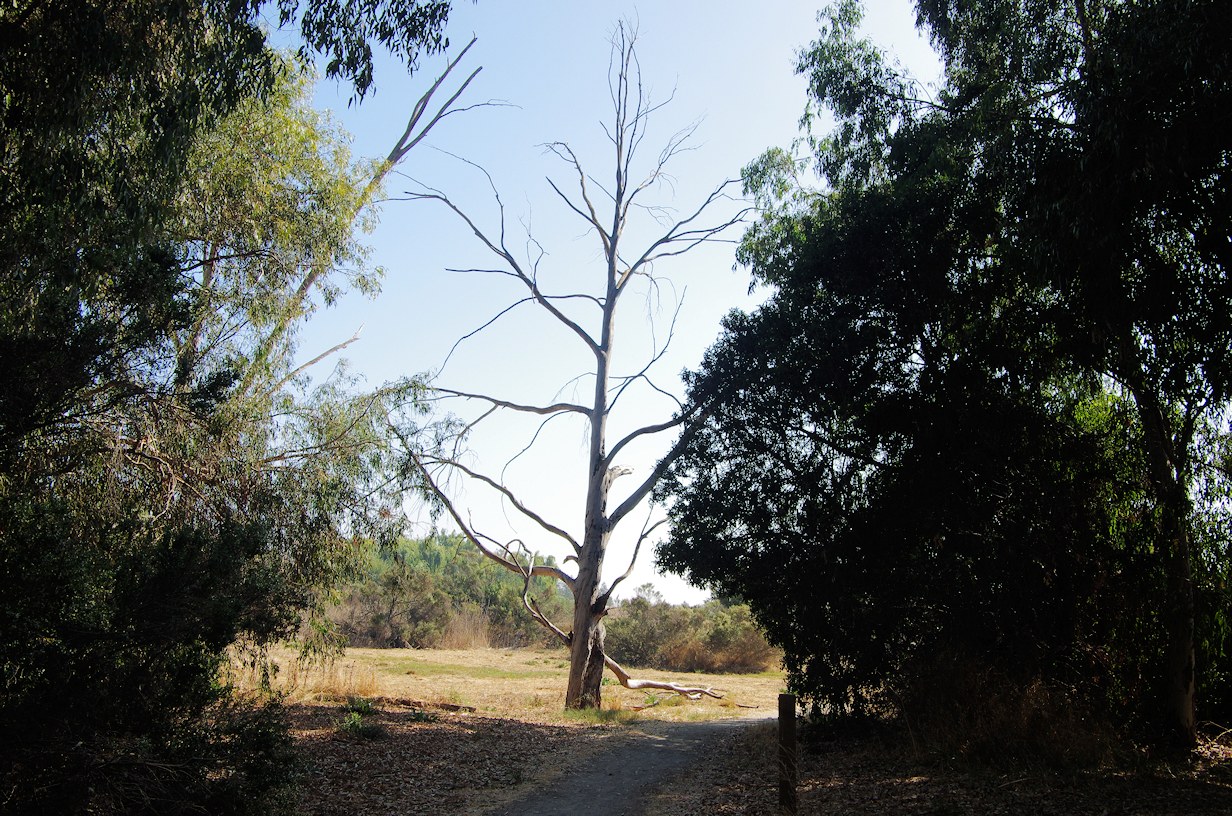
[(463, 763), (876, 776), (439, 762)]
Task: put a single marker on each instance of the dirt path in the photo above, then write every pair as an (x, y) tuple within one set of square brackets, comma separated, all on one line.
[(617, 781)]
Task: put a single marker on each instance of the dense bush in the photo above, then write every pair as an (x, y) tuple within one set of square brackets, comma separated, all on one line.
[(440, 591), (167, 487), (110, 654), (715, 637), (959, 706), (983, 411)]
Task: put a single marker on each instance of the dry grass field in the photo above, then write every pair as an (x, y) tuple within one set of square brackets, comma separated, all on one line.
[(466, 731), (522, 684)]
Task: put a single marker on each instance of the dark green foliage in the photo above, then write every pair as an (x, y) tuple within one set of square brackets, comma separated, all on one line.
[(440, 591), (346, 29), (715, 637), (109, 654), (139, 536), (982, 414), (99, 105), (923, 519), (354, 726), (1213, 581)]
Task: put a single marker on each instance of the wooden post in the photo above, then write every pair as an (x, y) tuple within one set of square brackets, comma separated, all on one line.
[(788, 767)]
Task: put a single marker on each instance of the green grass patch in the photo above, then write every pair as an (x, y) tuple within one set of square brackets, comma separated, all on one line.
[(425, 668), (600, 716), (354, 726)]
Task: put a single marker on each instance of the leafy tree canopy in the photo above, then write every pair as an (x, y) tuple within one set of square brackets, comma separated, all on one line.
[(973, 416), (168, 202), (100, 103)]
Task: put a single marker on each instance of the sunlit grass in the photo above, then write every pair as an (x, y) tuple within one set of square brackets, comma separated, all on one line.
[(599, 716), (424, 667), (522, 684)]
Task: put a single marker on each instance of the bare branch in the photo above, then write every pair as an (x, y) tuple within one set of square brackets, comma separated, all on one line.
[(474, 332), (674, 422), (643, 374), (692, 692), (690, 430), (557, 408), (473, 537), (532, 605), (332, 350), (521, 301), (529, 444), (409, 138), (637, 549), (591, 216), (513, 499), (676, 145), (500, 250), (690, 238)]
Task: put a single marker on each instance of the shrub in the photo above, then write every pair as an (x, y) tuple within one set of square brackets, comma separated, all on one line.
[(438, 592), (959, 706), (714, 637), (111, 658), (354, 726), (359, 705)]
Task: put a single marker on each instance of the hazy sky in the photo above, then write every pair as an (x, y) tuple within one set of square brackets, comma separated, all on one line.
[(726, 66)]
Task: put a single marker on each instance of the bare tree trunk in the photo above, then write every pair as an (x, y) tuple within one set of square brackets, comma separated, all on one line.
[(586, 647), (1167, 471), (596, 333), (586, 660), (1179, 626)]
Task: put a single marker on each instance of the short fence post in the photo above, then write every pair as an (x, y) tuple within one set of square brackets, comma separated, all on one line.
[(788, 768)]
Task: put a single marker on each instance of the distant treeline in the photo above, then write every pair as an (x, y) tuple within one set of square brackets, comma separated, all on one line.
[(716, 636), (440, 592)]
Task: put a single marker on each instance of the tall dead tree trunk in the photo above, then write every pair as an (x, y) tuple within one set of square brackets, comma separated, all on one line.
[(593, 325)]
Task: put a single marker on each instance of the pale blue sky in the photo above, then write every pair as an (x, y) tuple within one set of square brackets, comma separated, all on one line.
[(726, 65)]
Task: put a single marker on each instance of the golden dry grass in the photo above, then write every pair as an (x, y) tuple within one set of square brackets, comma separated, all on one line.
[(522, 684)]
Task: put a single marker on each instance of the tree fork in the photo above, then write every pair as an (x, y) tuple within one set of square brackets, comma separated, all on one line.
[(632, 109)]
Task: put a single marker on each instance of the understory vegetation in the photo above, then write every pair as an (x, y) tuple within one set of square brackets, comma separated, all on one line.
[(171, 209), (714, 637), (440, 592)]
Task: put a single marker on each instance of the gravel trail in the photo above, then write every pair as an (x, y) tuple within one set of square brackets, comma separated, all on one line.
[(616, 782)]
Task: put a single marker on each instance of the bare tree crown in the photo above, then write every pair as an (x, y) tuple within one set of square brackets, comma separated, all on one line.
[(589, 315)]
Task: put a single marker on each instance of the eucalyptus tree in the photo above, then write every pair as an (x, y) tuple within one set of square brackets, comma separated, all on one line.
[(100, 105), (269, 228), (165, 486), (999, 336), (588, 315)]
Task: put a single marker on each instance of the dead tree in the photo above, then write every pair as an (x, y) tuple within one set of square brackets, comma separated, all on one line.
[(589, 316)]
